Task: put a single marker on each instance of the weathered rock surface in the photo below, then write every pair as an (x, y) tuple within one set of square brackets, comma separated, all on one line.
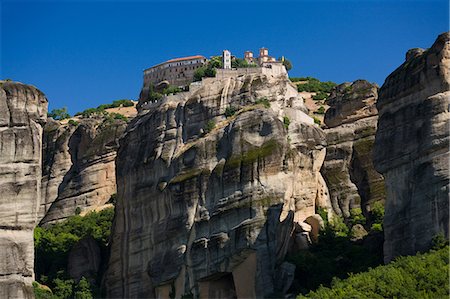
[(212, 209), (348, 170), (412, 149), (23, 111), (84, 260), (78, 166)]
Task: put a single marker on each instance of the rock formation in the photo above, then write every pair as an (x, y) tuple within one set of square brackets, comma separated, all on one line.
[(23, 111), (412, 149), (78, 165), (84, 260), (348, 169), (209, 205)]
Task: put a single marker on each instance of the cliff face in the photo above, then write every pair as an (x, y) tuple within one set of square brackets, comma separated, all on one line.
[(210, 205), (23, 111), (412, 149), (348, 168), (78, 166)]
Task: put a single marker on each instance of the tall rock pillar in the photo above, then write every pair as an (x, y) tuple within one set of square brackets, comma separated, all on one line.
[(412, 149), (23, 110)]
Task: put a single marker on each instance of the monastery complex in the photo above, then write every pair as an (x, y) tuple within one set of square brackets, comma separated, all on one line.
[(180, 71)]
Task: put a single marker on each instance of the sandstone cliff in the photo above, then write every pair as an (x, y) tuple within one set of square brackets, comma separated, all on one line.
[(23, 111), (78, 165), (209, 205), (412, 149), (348, 169)]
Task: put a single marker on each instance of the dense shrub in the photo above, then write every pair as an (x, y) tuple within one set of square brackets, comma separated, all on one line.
[(59, 114), (263, 101), (215, 62), (199, 73), (66, 288), (439, 241), (230, 111), (210, 125), (314, 85), (208, 70), (41, 292), (73, 122), (420, 276), (116, 104), (356, 217), (83, 290), (171, 89), (376, 227), (154, 96), (286, 62), (320, 96), (377, 212), (334, 255), (53, 244), (286, 122), (100, 110), (316, 120), (113, 116), (241, 63), (91, 112), (320, 110)]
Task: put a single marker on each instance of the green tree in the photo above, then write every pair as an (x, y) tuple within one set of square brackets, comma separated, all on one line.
[(63, 288), (420, 276), (239, 63), (199, 73), (53, 243), (286, 62), (210, 72), (59, 114), (216, 62), (41, 292), (83, 290)]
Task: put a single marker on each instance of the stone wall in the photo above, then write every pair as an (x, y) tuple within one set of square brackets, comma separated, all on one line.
[(274, 69), (23, 111)]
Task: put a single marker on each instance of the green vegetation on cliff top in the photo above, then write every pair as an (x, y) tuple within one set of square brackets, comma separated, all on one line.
[(101, 109), (311, 84)]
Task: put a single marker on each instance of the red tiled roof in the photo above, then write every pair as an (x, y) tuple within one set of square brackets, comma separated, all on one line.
[(185, 58), (178, 59)]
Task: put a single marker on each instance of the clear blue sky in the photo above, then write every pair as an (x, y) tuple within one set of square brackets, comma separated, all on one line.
[(85, 53)]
